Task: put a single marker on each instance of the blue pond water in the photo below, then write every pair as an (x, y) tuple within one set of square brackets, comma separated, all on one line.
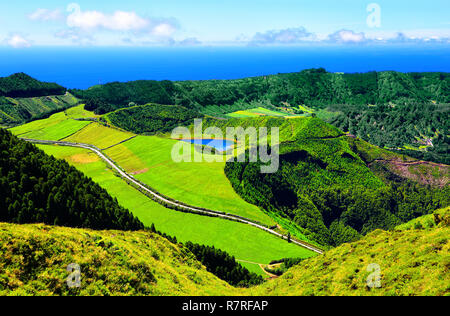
[(218, 144)]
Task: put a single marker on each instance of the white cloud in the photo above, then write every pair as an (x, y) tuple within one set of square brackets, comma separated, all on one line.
[(347, 36), (17, 41), (286, 36), (46, 15), (163, 30), (119, 21)]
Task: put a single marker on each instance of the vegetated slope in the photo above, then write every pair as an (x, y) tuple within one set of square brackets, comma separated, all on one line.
[(408, 115), (412, 260), (35, 258), (56, 127), (242, 241), (112, 96), (152, 118), (313, 87), (98, 135), (37, 188), (52, 192), (14, 111), (418, 130), (23, 98), (34, 261), (326, 186)]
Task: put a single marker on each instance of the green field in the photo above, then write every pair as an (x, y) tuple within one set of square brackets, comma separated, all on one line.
[(56, 127), (200, 184), (79, 112), (242, 241), (99, 135), (260, 111), (149, 159)]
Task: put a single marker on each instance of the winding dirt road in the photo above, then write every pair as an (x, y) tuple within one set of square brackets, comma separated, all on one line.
[(165, 201)]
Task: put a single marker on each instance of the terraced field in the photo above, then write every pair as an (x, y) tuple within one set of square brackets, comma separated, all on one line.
[(57, 127), (99, 135), (14, 111), (243, 241)]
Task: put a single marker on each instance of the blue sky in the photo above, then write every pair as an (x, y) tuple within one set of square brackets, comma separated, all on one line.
[(25, 23)]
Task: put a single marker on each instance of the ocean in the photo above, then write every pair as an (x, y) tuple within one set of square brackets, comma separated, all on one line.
[(83, 67)]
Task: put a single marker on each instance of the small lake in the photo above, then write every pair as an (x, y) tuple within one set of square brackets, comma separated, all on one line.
[(218, 144)]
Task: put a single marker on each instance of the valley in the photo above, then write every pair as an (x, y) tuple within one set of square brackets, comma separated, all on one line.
[(332, 190), (241, 240)]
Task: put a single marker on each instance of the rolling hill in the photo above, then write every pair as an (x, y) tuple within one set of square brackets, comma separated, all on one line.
[(412, 260), (404, 112), (336, 187), (23, 99), (246, 243), (35, 258), (333, 189)]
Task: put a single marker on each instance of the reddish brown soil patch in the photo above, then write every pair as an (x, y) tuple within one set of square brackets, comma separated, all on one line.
[(424, 172), (140, 171)]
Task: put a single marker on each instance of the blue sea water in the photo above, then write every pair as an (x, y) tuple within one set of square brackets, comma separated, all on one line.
[(219, 144), (82, 67)]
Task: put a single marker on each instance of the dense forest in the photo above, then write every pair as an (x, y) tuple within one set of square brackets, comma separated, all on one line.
[(152, 118), (21, 85), (112, 96), (314, 87), (37, 188), (325, 186), (418, 130), (411, 108)]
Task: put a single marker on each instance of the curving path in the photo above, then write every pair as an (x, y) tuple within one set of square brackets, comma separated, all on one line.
[(165, 200)]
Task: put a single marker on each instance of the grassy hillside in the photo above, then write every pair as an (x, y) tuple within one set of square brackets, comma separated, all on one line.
[(56, 127), (99, 135), (259, 111), (148, 158), (318, 193), (242, 241), (14, 111), (413, 260), (35, 258)]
